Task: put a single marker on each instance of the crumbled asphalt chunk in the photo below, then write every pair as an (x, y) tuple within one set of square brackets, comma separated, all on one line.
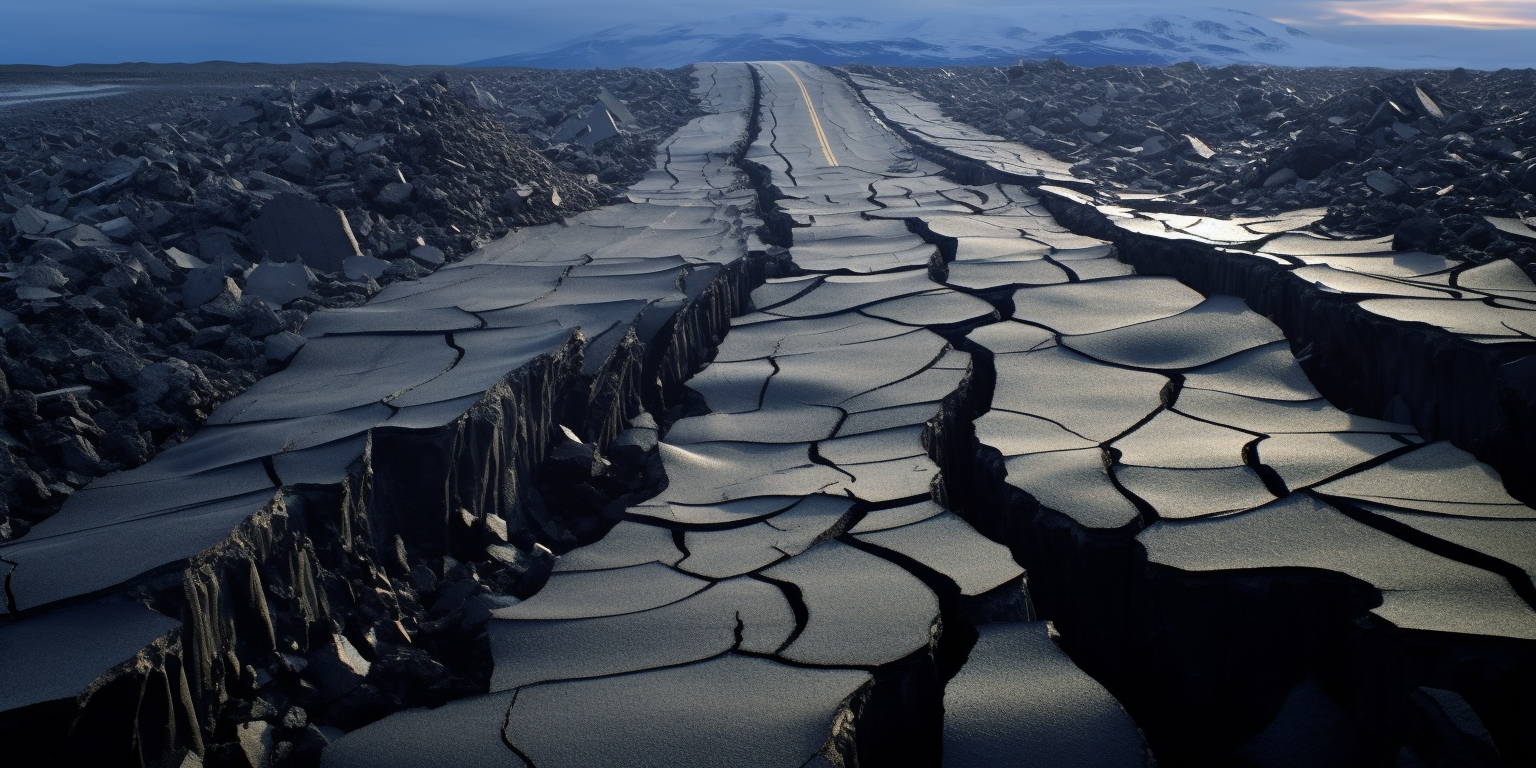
[(1377, 148), (148, 240)]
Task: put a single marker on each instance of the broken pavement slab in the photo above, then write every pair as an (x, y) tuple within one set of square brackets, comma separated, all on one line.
[(89, 639), (1020, 701)]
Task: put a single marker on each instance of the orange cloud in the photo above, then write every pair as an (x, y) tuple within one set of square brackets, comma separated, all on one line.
[(1475, 14)]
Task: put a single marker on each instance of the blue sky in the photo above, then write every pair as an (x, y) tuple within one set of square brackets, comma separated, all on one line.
[(1488, 33)]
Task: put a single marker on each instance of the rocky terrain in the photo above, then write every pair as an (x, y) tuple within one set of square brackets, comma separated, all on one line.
[(1417, 155), (133, 294), (846, 434)]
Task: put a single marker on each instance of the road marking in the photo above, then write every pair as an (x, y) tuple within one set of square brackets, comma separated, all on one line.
[(826, 149)]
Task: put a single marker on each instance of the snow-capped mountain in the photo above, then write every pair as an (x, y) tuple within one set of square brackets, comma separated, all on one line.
[(1092, 35)]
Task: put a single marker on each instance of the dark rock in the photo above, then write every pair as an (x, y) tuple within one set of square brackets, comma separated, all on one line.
[(399, 669), (336, 668), (292, 228), (1282, 176), (50, 248), (204, 285), (125, 447), (266, 181), (364, 268), (256, 743), (210, 336), (307, 749), (320, 117), (216, 245), (183, 259), (1428, 104), (1383, 182), (85, 236), (31, 221), (405, 268), (572, 461), (394, 195), (173, 377), (345, 199), (362, 705), (1417, 234), (295, 718), (298, 166), (1450, 732), (428, 255), (633, 445), (278, 283), (156, 371), (1524, 177), (78, 455), (42, 275), (249, 710), (260, 320), (281, 347)]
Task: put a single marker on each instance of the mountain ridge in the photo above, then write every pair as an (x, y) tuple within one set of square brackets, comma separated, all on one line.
[(1127, 35)]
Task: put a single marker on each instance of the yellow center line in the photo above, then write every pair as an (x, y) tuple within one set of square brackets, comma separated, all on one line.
[(826, 149)]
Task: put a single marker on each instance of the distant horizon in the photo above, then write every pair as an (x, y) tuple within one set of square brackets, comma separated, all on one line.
[(1489, 34)]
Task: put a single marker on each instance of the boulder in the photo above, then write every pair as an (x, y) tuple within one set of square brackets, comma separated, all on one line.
[(320, 117), (183, 259), (620, 112), (86, 236), (1417, 234), (278, 283), (204, 284), (336, 668), (31, 221), (428, 256), (293, 228), (394, 194), (255, 740), (362, 268), (1282, 176), (120, 229), (1383, 182)]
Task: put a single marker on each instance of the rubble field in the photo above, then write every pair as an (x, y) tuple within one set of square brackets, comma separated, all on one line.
[(145, 276), (1419, 155)]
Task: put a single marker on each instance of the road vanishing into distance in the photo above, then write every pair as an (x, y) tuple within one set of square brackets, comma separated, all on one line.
[(965, 481)]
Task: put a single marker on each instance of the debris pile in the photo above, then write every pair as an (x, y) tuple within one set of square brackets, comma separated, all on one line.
[(602, 122)]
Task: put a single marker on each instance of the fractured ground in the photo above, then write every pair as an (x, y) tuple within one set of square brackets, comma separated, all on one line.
[(816, 584)]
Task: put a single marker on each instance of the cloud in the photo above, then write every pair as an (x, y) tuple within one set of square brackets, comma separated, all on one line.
[(1471, 14)]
